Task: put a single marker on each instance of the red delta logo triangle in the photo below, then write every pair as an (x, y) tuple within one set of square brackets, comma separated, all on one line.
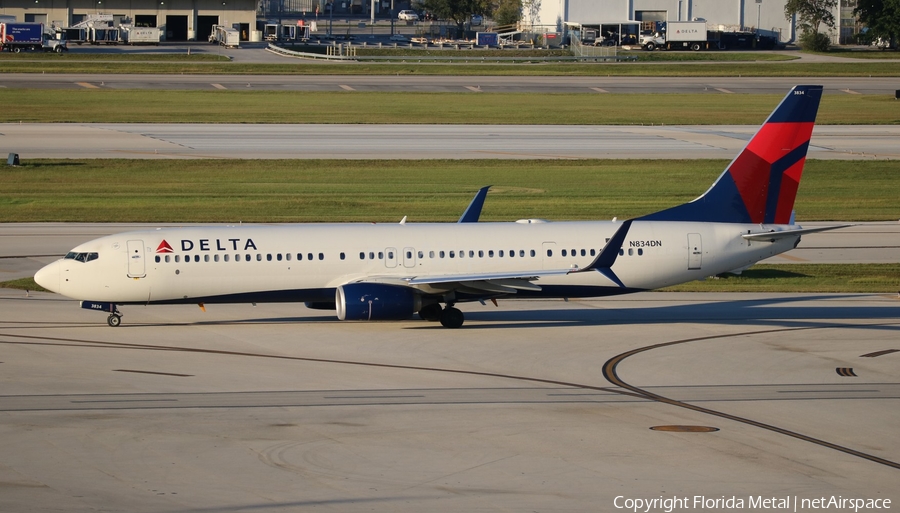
[(164, 247)]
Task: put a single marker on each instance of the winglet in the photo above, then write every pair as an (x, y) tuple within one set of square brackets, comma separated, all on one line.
[(607, 257), (473, 211)]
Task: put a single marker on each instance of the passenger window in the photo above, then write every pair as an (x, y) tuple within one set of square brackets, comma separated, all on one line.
[(371, 255), (480, 253), (362, 255), (381, 255), (167, 259), (490, 253), (640, 251), (630, 252), (563, 252), (522, 253), (278, 257), (431, 254), (533, 253), (409, 254), (216, 258), (309, 256), (157, 259), (206, 258), (421, 254), (259, 257), (621, 251), (247, 257), (287, 256), (471, 254), (462, 254), (512, 253), (225, 257), (177, 258), (500, 253), (299, 256), (342, 256), (593, 252), (321, 256), (583, 252), (442, 254), (452, 254), (549, 252)]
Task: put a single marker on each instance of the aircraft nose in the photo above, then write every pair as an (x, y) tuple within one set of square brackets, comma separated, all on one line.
[(48, 277)]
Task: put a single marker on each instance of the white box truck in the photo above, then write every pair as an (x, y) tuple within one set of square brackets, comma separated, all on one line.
[(141, 35), (679, 35), (225, 36)]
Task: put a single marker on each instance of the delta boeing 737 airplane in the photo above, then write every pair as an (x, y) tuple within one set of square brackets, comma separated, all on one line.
[(370, 272)]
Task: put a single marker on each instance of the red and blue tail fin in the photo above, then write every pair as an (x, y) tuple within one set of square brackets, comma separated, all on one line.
[(760, 184)]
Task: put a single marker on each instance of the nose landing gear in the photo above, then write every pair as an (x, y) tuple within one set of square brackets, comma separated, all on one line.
[(114, 319)]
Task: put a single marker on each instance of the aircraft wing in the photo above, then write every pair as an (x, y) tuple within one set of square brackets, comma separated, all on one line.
[(512, 281), (487, 283), (772, 236)]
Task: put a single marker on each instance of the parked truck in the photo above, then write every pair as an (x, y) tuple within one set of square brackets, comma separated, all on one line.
[(678, 35), (225, 36), (18, 37), (140, 35)]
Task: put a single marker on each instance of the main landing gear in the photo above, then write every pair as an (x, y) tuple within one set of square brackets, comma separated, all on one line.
[(450, 317)]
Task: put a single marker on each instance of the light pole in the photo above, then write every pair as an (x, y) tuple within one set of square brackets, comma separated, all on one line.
[(758, 10)]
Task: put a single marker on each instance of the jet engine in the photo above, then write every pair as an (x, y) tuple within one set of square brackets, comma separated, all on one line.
[(375, 302)]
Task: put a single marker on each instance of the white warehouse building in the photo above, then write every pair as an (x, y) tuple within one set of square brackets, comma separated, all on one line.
[(765, 17)]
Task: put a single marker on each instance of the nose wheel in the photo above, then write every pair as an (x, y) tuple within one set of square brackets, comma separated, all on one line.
[(115, 318)]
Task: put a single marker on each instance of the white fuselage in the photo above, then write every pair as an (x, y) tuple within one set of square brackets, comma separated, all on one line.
[(306, 262)]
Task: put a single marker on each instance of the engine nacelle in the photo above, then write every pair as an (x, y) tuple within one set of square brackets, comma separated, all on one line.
[(376, 302)]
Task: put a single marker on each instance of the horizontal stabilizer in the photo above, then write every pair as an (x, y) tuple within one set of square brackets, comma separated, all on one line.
[(773, 235)]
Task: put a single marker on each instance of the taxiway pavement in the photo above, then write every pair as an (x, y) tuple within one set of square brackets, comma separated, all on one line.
[(532, 406), (307, 141)]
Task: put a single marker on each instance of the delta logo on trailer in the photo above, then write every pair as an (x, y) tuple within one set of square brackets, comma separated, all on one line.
[(164, 247)]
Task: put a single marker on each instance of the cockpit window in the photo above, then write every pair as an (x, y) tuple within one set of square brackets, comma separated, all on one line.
[(81, 257)]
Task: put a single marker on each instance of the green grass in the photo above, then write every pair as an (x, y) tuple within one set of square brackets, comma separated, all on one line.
[(803, 278), (386, 190), (165, 106), (860, 54), (22, 284)]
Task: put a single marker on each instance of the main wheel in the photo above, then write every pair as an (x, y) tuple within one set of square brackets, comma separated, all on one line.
[(451, 318), (114, 320), (431, 312)]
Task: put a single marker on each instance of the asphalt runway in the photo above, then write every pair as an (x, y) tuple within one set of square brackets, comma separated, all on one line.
[(471, 84), (308, 141)]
